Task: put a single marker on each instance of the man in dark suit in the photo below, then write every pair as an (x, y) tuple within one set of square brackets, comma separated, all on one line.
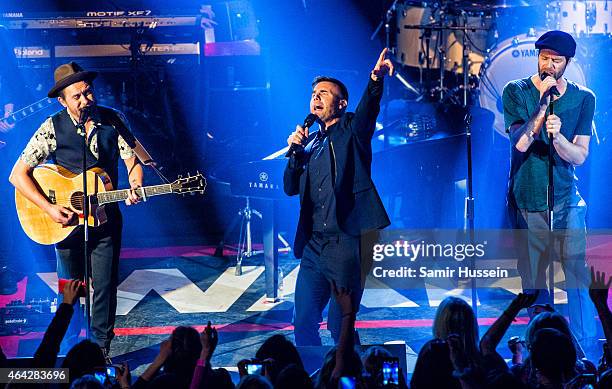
[(338, 200)]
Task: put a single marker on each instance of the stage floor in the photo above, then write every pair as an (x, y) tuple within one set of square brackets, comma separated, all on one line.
[(164, 287)]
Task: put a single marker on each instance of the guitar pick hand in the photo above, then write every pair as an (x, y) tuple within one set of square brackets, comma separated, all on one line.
[(61, 215)]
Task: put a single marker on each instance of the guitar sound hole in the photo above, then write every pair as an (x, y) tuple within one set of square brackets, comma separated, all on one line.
[(76, 201)]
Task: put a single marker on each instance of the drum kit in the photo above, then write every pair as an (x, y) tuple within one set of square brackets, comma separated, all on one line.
[(436, 41)]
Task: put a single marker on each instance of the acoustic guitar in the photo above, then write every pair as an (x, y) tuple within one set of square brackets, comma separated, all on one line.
[(65, 188)]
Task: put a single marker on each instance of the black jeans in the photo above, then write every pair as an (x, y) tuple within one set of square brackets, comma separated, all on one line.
[(104, 249)]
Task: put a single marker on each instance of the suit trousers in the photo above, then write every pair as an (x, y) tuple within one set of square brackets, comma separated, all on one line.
[(326, 258)]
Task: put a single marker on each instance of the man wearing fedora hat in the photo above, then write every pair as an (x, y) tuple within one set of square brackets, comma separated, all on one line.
[(59, 141), (530, 122)]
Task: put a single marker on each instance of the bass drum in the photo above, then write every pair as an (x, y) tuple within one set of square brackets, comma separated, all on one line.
[(579, 17), (411, 44), (411, 49), (513, 59)]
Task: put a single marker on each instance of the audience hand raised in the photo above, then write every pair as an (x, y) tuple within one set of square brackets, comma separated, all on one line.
[(209, 339), (124, 378), (165, 349), (456, 352), (522, 301), (71, 291), (343, 298), (598, 290)]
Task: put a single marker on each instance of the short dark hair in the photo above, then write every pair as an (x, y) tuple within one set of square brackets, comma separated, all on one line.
[(340, 84)]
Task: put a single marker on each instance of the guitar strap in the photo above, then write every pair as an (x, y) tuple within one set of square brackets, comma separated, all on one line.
[(141, 153)]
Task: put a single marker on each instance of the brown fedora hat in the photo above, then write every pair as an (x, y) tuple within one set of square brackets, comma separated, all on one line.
[(68, 74)]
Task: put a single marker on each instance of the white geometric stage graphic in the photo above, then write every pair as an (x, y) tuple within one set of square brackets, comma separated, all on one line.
[(378, 295), (186, 297), (435, 295), (178, 290), (286, 295)]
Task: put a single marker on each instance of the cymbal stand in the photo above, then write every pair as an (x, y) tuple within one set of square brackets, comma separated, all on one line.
[(426, 35), (466, 59), (442, 53)]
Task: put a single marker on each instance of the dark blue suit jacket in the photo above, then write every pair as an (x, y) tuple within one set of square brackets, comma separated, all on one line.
[(358, 205)]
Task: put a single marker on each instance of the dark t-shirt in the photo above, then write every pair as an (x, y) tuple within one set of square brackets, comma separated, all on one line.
[(529, 170)]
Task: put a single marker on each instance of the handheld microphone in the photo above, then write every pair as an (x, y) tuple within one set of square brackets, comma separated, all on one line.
[(296, 148), (553, 90)]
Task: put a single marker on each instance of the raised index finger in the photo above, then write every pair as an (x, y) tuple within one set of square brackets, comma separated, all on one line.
[(383, 53)]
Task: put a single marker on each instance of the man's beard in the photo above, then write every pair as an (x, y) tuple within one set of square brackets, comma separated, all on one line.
[(557, 75)]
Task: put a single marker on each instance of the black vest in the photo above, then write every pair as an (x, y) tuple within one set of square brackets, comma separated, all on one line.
[(69, 152)]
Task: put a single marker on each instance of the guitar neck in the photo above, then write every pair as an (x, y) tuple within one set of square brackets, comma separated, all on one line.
[(114, 196), (28, 111)]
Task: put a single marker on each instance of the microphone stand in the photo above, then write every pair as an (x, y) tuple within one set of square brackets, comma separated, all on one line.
[(550, 192), (83, 132), (469, 200), (468, 221)]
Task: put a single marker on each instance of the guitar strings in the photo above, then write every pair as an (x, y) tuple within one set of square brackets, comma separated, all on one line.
[(78, 200), (102, 194)]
